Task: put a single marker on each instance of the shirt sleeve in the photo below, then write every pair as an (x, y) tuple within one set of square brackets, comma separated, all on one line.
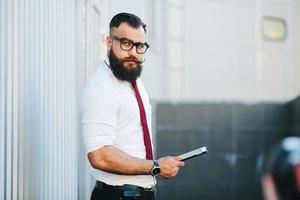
[(100, 109)]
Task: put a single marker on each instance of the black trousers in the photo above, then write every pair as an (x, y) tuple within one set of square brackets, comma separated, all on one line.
[(107, 192)]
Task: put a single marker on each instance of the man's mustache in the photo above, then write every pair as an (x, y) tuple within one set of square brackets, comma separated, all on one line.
[(131, 59)]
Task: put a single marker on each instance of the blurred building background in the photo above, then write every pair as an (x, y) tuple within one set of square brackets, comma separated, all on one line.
[(221, 74)]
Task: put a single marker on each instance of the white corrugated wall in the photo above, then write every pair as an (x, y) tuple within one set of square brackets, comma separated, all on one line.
[(38, 100)]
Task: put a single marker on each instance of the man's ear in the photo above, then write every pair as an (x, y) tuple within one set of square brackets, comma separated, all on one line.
[(297, 175), (108, 43), (268, 186)]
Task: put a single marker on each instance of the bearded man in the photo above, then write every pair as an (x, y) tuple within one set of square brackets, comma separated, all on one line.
[(116, 119)]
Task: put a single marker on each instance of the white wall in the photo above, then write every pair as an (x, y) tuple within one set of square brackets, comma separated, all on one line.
[(38, 102), (278, 68), (293, 78), (215, 51)]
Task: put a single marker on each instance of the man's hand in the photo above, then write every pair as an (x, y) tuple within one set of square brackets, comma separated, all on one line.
[(169, 166)]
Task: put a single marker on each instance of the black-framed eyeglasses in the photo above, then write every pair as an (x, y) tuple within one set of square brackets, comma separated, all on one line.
[(127, 44)]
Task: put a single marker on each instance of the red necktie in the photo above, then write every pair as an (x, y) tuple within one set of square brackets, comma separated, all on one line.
[(147, 140)]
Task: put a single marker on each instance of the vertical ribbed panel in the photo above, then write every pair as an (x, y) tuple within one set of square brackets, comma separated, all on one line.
[(38, 100), (2, 101)]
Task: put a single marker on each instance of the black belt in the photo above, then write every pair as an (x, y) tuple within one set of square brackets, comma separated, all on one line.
[(126, 190)]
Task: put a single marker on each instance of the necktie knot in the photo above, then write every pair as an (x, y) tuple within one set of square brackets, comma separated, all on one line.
[(133, 83)]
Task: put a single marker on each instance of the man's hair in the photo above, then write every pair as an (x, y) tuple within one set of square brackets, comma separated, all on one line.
[(131, 19), (282, 164)]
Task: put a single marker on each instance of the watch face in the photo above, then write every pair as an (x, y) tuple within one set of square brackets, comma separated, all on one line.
[(156, 171)]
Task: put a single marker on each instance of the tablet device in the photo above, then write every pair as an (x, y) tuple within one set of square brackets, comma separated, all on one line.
[(194, 153)]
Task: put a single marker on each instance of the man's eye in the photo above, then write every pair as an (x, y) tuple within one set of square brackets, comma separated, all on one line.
[(126, 43), (141, 46)]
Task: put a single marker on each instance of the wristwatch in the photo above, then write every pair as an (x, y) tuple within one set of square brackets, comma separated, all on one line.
[(156, 168)]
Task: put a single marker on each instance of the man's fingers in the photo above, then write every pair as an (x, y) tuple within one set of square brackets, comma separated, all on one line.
[(181, 164), (177, 158)]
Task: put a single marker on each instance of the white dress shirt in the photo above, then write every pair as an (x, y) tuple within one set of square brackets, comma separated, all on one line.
[(110, 116)]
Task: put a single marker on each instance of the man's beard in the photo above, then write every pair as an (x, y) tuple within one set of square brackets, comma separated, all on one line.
[(120, 71)]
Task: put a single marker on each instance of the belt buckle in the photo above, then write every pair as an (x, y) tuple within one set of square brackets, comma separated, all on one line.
[(132, 193)]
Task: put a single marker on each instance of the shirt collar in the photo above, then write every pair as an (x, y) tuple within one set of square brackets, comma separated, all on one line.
[(107, 60)]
